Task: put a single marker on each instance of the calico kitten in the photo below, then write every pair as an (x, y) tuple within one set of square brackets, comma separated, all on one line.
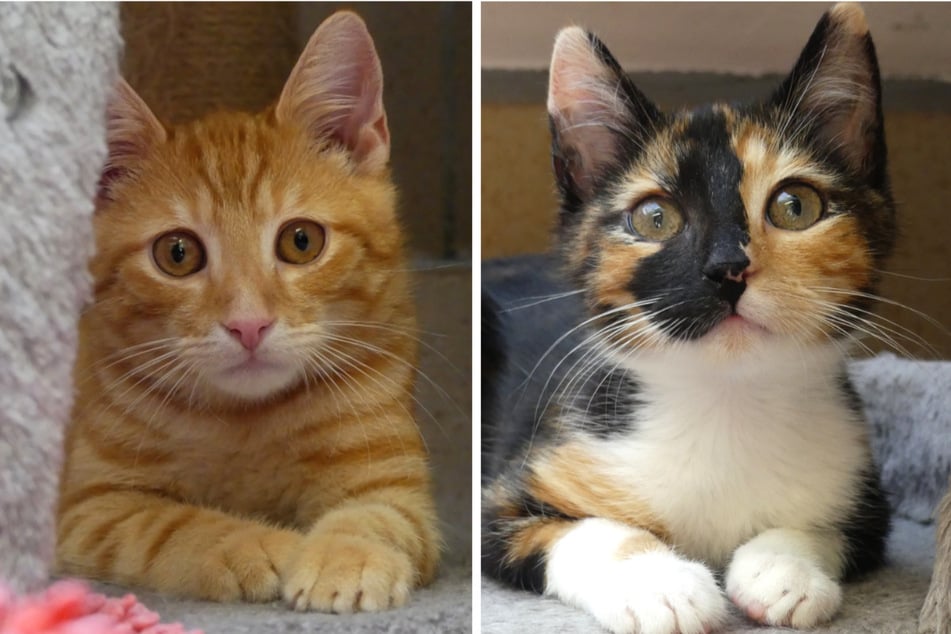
[(243, 426), (691, 411)]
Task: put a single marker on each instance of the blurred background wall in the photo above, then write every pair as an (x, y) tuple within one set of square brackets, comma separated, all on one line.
[(689, 53)]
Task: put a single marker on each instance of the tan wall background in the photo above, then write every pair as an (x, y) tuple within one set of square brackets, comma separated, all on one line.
[(736, 37), (518, 197)]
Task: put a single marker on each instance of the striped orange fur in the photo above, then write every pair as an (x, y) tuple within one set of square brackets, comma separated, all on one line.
[(291, 467)]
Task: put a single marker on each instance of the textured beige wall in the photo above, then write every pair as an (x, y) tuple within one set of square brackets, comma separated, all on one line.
[(746, 38), (519, 205)]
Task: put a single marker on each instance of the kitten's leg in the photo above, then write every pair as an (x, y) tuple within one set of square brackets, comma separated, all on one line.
[(147, 540), (628, 579), (788, 577), (935, 615), (369, 551)]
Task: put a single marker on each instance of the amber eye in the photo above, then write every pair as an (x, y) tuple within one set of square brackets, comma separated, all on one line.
[(794, 207), (178, 253), (656, 219), (300, 241)]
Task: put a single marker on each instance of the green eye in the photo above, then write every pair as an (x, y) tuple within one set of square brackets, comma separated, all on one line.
[(795, 207), (656, 219), (300, 241), (178, 253)]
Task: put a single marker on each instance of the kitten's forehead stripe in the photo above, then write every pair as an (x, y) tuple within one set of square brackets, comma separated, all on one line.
[(709, 172)]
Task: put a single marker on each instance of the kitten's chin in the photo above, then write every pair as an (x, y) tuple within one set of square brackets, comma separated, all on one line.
[(255, 380), (735, 335)]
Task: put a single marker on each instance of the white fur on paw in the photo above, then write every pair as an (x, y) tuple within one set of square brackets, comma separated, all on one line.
[(657, 593), (782, 589)]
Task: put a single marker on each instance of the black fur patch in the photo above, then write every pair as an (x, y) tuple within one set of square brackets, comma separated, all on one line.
[(867, 527)]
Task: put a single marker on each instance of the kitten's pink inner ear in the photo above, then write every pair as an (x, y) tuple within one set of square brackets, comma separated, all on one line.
[(131, 131), (583, 105), (335, 92)]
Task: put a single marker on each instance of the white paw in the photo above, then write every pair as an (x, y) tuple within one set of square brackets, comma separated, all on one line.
[(781, 589), (658, 593)]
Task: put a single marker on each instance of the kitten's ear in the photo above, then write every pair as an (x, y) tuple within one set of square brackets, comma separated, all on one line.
[(336, 91), (596, 114), (131, 131), (834, 92)]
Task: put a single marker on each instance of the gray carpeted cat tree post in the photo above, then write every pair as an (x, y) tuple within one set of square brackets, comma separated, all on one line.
[(58, 63)]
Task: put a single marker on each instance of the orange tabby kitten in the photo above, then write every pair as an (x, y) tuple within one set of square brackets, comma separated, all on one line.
[(243, 425)]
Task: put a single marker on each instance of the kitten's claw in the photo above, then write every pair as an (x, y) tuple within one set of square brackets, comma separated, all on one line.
[(782, 589), (659, 593), (345, 573)]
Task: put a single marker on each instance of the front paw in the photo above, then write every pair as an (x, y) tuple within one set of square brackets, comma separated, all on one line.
[(782, 589), (245, 566), (659, 593), (347, 573)]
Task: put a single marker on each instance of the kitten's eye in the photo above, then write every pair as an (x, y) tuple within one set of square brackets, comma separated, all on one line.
[(300, 241), (795, 207), (178, 253), (656, 219)]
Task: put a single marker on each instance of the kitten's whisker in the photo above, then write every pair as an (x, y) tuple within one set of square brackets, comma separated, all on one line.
[(126, 354), (398, 390), (377, 405), (540, 299), (384, 327), (136, 370), (381, 411), (389, 355), (602, 344), (928, 318), (598, 342), (895, 329), (906, 276), (575, 328)]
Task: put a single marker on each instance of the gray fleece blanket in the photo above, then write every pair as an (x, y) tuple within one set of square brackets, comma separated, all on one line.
[(58, 63)]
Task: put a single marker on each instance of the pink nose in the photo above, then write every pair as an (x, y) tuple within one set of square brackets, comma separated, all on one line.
[(249, 332)]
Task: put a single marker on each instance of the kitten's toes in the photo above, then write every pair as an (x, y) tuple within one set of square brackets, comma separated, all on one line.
[(244, 566), (344, 574), (781, 589), (660, 593)]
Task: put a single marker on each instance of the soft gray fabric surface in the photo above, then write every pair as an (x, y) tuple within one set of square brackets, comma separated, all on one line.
[(443, 607), (908, 404), (57, 65)]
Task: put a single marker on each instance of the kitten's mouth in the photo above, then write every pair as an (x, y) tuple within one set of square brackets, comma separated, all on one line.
[(736, 323), (252, 364), (255, 378)]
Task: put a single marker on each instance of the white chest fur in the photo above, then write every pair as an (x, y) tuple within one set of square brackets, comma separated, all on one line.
[(723, 450)]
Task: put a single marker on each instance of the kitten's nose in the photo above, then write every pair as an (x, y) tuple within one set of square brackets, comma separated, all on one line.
[(249, 332), (732, 269), (729, 274)]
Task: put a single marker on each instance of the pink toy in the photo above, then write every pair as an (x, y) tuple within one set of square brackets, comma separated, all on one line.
[(68, 607)]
